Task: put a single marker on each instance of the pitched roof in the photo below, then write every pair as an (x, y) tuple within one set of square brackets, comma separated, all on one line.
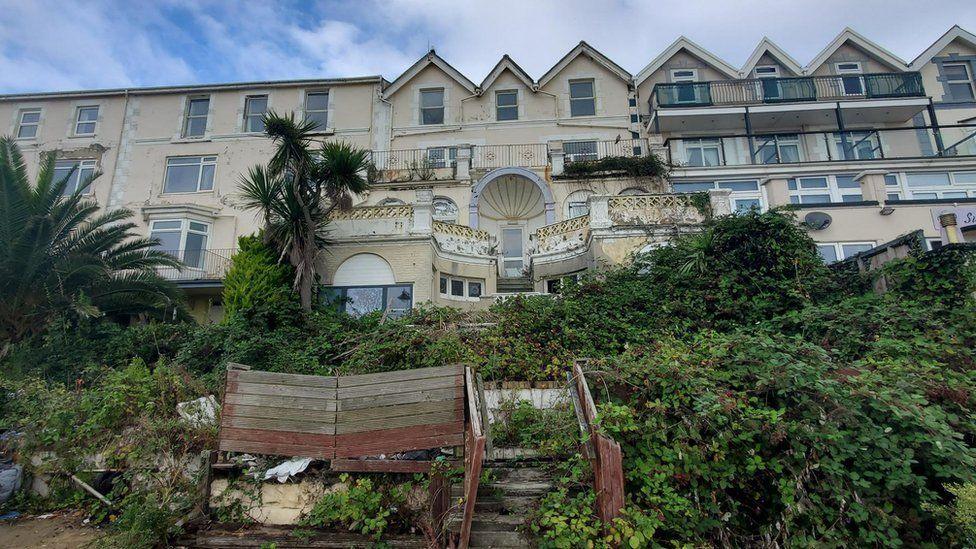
[(768, 46), (507, 63), (429, 58), (589, 51), (954, 33), (849, 35), (683, 43)]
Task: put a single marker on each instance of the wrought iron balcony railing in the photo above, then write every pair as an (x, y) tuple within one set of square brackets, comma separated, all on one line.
[(198, 265), (787, 90)]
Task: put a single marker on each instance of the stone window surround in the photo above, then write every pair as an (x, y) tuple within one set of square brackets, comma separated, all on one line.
[(950, 59)]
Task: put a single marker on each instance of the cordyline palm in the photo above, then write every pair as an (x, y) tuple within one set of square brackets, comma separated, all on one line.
[(59, 255), (297, 191)]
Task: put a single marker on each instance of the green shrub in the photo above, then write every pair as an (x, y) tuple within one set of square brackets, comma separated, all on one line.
[(256, 280), (359, 505), (750, 438)]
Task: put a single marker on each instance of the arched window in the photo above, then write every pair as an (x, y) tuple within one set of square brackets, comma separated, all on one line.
[(445, 209), (633, 190), (365, 283), (364, 270), (391, 202), (577, 203)]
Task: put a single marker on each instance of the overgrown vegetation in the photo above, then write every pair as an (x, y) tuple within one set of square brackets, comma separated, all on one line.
[(761, 398), (634, 166)]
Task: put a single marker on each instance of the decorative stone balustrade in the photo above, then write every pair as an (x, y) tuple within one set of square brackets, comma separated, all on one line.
[(562, 236), (657, 209), (462, 239), (374, 212)]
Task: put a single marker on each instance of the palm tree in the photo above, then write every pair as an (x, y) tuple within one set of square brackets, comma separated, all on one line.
[(59, 255), (298, 190)]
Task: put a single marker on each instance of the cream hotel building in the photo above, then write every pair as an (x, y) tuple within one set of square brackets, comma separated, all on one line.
[(473, 195)]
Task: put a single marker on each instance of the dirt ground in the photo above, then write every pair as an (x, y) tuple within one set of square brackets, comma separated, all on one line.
[(57, 532)]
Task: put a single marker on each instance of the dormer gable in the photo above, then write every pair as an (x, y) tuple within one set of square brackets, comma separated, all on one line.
[(767, 52), (693, 49), (506, 63), (430, 58), (956, 34), (848, 37), (588, 51)]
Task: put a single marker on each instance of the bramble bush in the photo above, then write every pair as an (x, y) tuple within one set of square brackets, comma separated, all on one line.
[(762, 398)]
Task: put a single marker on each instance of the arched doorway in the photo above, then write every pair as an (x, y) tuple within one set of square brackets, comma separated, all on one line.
[(511, 203)]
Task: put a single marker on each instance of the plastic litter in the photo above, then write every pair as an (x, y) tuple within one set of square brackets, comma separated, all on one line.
[(288, 469)]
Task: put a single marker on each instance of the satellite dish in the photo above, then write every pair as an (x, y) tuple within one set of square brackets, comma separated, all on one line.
[(817, 221)]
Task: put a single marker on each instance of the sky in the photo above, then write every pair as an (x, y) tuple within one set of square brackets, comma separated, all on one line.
[(49, 45)]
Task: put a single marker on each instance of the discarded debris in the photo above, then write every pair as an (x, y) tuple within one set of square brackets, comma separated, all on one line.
[(288, 469), (92, 491), (201, 412)]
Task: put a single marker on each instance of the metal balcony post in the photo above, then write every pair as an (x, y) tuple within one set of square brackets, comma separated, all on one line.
[(844, 145), (939, 145), (721, 144), (776, 145), (752, 143)]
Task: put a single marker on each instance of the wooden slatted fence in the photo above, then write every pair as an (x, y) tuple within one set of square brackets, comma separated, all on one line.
[(342, 417)]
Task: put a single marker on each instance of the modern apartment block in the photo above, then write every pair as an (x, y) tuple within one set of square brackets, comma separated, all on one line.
[(473, 193)]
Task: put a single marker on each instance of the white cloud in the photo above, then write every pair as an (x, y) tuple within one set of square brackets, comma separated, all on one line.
[(50, 45)]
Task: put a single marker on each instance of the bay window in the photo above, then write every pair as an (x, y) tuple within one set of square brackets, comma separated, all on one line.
[(184, 239)]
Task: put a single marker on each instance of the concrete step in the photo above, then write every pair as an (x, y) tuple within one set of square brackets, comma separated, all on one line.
[(496, 522), (519, 474), (498, 539)]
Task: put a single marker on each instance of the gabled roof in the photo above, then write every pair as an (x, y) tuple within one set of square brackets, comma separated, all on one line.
[(430, 58), (589, 51), (849, 35), (954, 33), (768, 46), (683, 43), (507, 63)]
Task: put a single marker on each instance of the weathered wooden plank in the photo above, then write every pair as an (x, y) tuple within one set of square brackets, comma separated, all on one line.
[(280, 390), (398, 376), (473, 460), (391, 447), (379, 389), (304, 403), (279, 437), (431, 418), (380, 466), (237, 410), (276, 449), (420, 431), (279, 425), (300, 380), (430, 395), (380, 412)]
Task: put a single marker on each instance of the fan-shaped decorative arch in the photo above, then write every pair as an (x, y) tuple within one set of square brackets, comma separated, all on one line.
[(476, 194)]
